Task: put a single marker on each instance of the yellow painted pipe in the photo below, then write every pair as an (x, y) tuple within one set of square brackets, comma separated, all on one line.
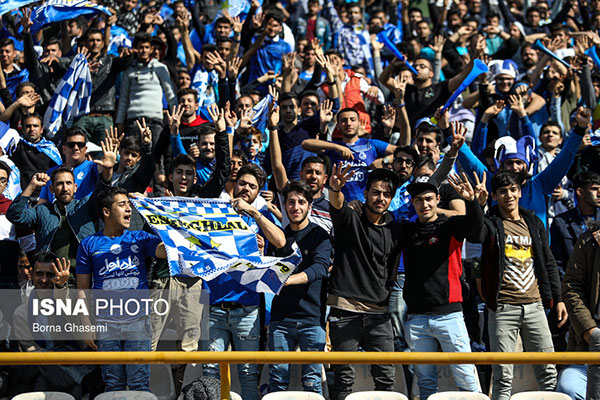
[(225, 381), (268, 357)]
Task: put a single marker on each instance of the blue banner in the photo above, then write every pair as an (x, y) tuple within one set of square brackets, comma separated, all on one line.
[(61, 10)]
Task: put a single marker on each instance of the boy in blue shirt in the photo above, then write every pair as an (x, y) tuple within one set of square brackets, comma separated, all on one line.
[(114, 259)]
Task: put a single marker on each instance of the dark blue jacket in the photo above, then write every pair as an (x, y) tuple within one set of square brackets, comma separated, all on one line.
[(44, 218), (564, 232)]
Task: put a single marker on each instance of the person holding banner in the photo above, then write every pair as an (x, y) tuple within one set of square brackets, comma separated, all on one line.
[(234, 309), (183, 292), (114, 260)]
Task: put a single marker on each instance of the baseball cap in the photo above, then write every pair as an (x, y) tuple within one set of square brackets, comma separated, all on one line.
[(422, 184)]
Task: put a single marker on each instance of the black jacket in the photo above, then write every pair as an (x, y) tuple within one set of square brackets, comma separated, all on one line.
[(366, 257), (493, 259), (432, 260)]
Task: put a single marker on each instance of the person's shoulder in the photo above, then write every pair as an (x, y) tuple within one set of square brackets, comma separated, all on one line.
[(566, 217)]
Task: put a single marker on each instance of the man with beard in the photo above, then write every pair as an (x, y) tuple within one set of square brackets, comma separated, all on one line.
[(313, 172), (234, 310), (298, 311), (352, 151), (367, 248), (516, 157), (183, 292), (60, 226)]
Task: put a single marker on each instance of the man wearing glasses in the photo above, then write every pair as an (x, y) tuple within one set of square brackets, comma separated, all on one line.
[(85, 172)]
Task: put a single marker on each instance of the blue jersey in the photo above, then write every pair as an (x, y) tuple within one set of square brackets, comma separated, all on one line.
[(365, 151), (117, 263), (86, 178)]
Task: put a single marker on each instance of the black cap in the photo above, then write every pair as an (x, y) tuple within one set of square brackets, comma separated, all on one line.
[(384, 173), (422, 184)]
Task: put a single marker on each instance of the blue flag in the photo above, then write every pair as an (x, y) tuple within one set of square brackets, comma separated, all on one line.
[(207, 238), (60, 10), (9, 5)]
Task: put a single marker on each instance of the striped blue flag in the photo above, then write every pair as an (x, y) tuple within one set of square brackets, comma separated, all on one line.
[(72, 97), (206, 238), (60, 10)]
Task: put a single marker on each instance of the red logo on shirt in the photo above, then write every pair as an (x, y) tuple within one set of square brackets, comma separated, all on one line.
[(433, 239)]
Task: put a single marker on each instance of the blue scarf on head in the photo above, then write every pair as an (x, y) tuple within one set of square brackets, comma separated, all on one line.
[(48, 148), (15, 80)]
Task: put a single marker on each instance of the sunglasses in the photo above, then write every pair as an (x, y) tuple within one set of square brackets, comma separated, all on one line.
[(71, 145), (400, 161)]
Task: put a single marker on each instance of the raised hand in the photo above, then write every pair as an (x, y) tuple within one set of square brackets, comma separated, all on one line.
[(220, 65), (237, 24), (230, 116), (362, 129), (288, 63), (39, 180), (28, 100), (234, 66), (399, 83), (26, 22), (325, 112), (61, 270), (273, 114), (145, 132), (459, 131), (339, 177), (389, 118), (583, 117), (493, 111), (274, 93), (257, 20), (438, 44), (442, 118), (246, 118), (462, 186), (109, 154), (174, 119), (481, 192), (218, 117), (113, 134)]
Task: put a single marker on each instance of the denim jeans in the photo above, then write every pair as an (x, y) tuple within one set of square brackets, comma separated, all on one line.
[(572, 381), (371, 332), (505, 324), (285, 336), (136, 337), (241, 327), (593, 372), (424, 332), (398, 313)]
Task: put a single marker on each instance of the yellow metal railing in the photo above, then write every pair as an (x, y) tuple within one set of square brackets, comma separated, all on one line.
[(224, 359)]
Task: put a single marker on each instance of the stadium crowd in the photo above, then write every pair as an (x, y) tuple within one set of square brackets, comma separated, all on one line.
[(415, 219)]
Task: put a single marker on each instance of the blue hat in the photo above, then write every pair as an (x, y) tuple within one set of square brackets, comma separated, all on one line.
[(507, 148)]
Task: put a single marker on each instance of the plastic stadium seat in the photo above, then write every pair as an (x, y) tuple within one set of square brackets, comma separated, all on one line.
[(44, 396), (161, 381), (126, 395), (458, 396), (291, 395), (539, 396), (376, 395)]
